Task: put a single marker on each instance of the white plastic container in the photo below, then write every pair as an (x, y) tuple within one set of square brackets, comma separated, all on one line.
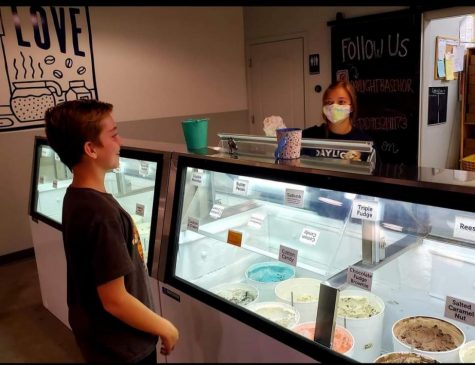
[(237, 293), (278, 312), (401, 326), (404, 357), (305, 292), (266, 275), (343, 340), (467, 352), (367, 330)]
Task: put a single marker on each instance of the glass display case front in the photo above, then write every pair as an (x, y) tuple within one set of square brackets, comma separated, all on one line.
[(135, 184), (336, 265)]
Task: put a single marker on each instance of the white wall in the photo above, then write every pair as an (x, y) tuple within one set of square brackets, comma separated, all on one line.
[(272, 23), (167, 61), (153, 64)]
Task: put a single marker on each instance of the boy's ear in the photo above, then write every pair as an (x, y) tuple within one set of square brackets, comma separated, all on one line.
[(89, 149)]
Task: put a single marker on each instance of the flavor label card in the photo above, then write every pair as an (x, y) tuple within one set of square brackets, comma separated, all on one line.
[(256, 220), (193, 224), (144, 168), (234, 238), (45, 152), (309, 236), (365, 210), (460, 310), (241, 187), (288, 255), (197, 178), (294, 197), (140, 209), (359, 277), (464, 228), (216, 211)]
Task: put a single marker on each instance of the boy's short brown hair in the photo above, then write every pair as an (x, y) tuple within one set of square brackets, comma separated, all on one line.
[(71, 124)]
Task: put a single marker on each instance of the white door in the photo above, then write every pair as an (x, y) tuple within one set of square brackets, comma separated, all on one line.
[(276, 72)]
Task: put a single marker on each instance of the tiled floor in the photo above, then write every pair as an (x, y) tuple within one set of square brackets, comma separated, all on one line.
[(28, 331)]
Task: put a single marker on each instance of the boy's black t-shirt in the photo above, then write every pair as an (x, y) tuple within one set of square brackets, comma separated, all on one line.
[(101, 244)]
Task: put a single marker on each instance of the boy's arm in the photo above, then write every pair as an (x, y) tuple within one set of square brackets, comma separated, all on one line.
[(117, 301)]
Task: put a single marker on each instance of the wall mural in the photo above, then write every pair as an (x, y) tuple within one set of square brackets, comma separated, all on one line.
[(48, 58)]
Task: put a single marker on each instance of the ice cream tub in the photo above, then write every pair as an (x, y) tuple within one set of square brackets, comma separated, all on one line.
[(362, 313), (281, 313), (405, 358), (266, 275), (467, 352), (237, 293), (343, 341), (303, 294), (428, 336)]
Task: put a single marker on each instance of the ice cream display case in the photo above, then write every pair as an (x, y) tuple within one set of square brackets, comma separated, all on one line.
[(138, 184), (331, 265), (135, 184)]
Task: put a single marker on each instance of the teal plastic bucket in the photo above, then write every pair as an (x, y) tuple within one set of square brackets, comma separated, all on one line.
[(196, 133)]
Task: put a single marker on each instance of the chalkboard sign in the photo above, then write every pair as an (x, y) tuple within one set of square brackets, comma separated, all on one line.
[(380, 56)]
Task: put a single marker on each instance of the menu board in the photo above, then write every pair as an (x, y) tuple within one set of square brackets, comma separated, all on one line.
[(380, 55)]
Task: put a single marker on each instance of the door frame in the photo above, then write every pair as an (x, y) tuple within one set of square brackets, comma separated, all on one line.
[(426, 18), (270, 39)]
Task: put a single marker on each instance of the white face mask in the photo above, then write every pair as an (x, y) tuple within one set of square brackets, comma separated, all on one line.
[(337, 113)]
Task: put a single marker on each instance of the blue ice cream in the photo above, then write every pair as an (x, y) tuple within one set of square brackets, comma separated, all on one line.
[(269, 272)]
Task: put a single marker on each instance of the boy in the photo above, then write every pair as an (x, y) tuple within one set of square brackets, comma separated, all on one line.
[(108, 291)]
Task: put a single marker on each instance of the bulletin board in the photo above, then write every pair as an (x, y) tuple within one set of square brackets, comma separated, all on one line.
[(444, 45)]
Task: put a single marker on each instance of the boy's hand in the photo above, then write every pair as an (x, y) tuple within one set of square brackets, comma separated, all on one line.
[(169, 339)]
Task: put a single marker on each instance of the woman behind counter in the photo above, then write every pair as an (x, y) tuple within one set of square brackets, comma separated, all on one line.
[(339, 112)]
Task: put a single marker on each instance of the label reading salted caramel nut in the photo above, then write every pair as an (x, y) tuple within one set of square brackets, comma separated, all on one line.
[(460, 310)]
